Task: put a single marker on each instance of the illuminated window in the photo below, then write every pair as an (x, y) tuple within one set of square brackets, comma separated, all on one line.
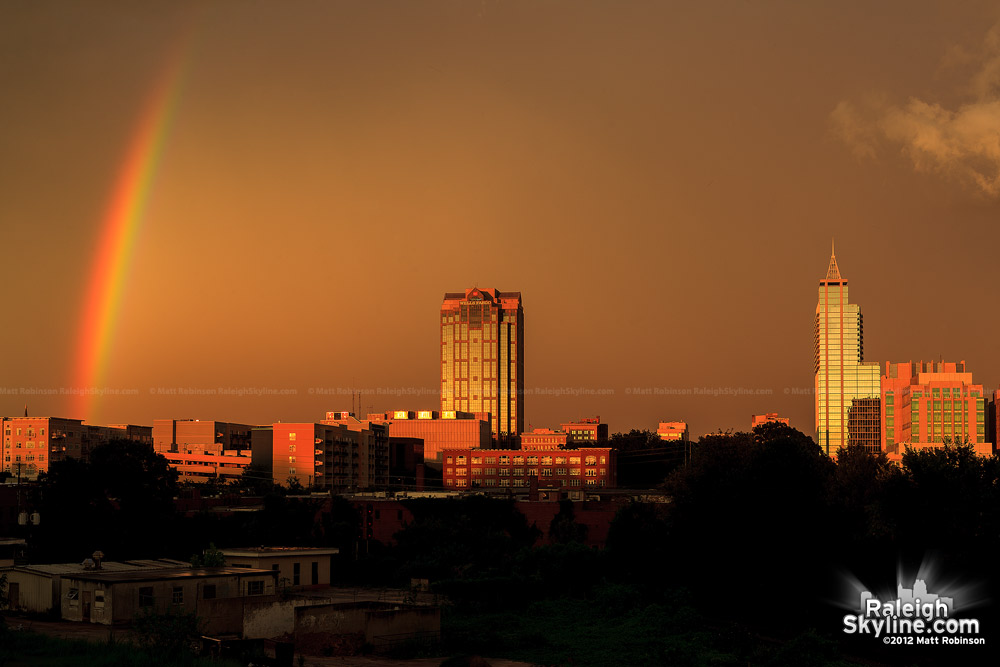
[(291, 437), (291, 448)]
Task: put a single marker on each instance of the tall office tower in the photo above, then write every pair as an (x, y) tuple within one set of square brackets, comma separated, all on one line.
[(847, 390), (482, 356)]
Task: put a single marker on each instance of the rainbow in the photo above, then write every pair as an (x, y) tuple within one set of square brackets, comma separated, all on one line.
[(119, 231)]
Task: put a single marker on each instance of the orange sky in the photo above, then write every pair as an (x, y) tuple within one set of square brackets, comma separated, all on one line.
[(660, 181)]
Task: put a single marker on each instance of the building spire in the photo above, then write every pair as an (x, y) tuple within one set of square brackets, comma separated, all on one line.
[(833, 272)]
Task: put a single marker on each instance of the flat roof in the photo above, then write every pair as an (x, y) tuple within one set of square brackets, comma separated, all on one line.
[(171, 574), (281, 551), (58, 569)]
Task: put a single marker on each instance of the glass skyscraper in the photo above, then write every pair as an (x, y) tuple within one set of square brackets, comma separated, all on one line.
[(847, 390), (482, 356)]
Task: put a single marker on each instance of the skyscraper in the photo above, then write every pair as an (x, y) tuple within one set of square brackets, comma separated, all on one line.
[(482, 356), (847, 389)]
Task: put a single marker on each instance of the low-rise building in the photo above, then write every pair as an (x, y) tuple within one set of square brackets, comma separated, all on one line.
[(543, 438), (204, 467), (438, 430), (39, 588), (587, 467), (589, 431), (296, 566), (110, 598), (674, 431), (767, 418)]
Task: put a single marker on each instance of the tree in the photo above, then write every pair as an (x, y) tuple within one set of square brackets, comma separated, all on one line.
[(754, 506), (564, 528), (256, 480), (121, 502), (210, 557)]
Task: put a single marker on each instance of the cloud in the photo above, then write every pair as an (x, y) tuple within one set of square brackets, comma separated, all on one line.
[(962, 144)]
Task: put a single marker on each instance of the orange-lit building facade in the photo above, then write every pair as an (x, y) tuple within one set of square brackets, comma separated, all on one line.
[(482, 356), (585, 468), (543, 438), (587, 431), (342, 455), (438, 430), (768, 418), (847, 389), (202, 450), (196, 436), (205, 467), (31, 444), (673, 431), (926, 404)]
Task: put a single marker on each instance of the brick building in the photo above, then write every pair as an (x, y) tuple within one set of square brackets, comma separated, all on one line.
[(30, 444), (587, 467)]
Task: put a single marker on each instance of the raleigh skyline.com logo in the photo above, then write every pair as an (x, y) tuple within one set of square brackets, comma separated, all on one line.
[(914, 617)]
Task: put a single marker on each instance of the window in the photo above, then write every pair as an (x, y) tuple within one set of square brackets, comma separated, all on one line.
[(98, 599), (178, 597), (208, 592), (291, 448), (291, 437), (315, 572), (296, 574), (74, 597), (146, 596), (255, 588)]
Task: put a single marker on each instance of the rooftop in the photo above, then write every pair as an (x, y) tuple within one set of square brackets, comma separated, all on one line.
[(171, 574)]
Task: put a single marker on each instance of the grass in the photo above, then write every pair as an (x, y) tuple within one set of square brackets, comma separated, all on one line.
[(23, 648), (613, 628)]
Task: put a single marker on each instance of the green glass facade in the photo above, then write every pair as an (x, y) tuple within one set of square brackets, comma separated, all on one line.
[(847, 390)]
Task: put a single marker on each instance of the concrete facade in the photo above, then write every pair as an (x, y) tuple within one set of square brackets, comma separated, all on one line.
[(295, 566)]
